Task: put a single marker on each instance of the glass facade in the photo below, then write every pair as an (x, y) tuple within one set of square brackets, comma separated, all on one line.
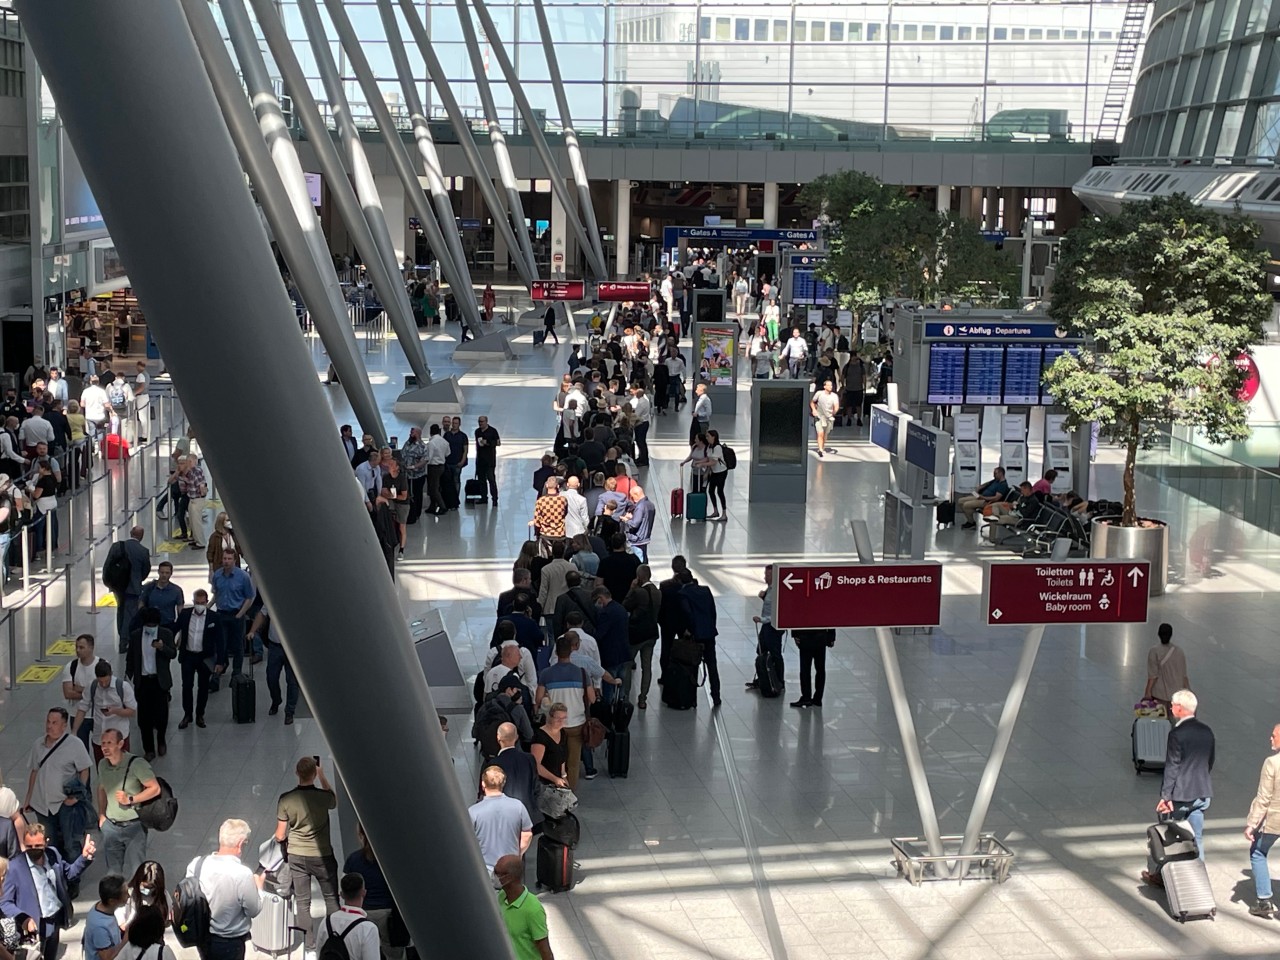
[(1209, 85), (998, 70)]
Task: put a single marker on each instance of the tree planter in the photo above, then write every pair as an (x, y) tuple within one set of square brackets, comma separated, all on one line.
[(1150, 542)]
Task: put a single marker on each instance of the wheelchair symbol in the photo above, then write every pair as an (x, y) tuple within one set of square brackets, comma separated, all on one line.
[(1108, 579)]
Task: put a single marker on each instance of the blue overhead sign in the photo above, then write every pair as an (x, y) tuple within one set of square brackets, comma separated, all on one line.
[(960, 329), (672, 235), (921, 448), (807, 260)]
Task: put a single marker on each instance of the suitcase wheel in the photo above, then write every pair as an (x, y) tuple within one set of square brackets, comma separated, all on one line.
[(1137, 767)]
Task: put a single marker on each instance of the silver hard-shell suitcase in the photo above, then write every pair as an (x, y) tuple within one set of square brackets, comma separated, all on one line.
[(1150, 741), (273, 930), (1187, 887)]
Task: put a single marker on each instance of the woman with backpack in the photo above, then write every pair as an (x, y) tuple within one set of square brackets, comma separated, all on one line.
[(718, 472)]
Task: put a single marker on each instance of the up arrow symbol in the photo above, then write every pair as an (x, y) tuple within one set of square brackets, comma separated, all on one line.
[(1135, 575)]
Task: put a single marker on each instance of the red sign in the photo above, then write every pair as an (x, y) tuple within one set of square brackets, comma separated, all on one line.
[(1071, 591), (619, 292), (557, 290), (819, 596), (1252, 378)]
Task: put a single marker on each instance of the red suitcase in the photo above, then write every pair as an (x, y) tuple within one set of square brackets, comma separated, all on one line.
[(115, 447), (677, 503)]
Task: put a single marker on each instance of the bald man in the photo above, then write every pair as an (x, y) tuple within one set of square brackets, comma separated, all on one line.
[(521, 770), (576, 520), (638, 523)]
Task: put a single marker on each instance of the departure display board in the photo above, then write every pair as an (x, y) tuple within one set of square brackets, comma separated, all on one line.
[(984, 375), (946, 373), (1051, 353), (810, 289), (1022, 374)]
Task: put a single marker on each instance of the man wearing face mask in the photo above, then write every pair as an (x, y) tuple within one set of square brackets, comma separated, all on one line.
[(35, 889), (195, 639)]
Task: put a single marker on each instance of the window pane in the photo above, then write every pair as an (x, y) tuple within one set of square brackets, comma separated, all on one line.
[(837, 32)]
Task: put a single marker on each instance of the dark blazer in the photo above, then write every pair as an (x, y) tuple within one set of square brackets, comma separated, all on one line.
[(180, 632), (1188, 762), (19, 898), (9, 845), (139, 565), (522, 778), (133, 657)]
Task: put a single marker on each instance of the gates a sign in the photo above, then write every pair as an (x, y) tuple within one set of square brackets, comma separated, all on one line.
[(820, 596), (1083, 591), (557, 290)]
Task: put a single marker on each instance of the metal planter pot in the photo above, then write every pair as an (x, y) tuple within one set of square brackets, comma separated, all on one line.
[(1110, 540)]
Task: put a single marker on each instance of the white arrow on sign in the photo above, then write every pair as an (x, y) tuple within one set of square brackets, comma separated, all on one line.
[(1135, 575), (790, 582), (997, 613)]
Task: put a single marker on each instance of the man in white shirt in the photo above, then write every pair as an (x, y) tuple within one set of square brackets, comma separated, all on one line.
[(512, 658), (233, 892), (741, 289), (142, 401), (93, 401), (78, 674), (369, 474), (577, 517), (701, 421), (644, 414), (57, 384), (437, 453), (358, 933), (35, 429), (794, 353), (109, 702), (55, 758)]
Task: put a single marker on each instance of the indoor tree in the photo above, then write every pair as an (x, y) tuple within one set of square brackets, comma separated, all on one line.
[(1166, 296)]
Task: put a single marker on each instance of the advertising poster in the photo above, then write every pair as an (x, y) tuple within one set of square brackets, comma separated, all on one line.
[(715, 352)]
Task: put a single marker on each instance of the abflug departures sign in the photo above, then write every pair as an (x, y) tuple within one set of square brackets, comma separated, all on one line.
[(823, 596)]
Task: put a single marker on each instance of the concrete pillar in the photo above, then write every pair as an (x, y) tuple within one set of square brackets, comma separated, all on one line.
[(622, 226), (1015, 199), (991, 221), (499, 251), (944, 199), (743, 213), (559, 237), (393, 209), (771, 206), (971, 203)]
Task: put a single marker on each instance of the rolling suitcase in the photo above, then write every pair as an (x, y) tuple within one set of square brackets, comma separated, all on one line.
[(769, 682), (679, 687), (1150, 738), (619, 744), (244, 697), (555, 865), (677, 503), (539, 337), (475, 490), (1187, 889), (273, 930), (696, 507), (946, 515)]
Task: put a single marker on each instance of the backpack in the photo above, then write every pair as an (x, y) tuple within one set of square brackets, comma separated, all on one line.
[(116, 393), (159, 812), (335, 946), (191, 910), (93, 696), (117, 570), (729, 457), (842, 345)]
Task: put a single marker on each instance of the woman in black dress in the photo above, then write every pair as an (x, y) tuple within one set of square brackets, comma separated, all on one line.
[(550, 747)]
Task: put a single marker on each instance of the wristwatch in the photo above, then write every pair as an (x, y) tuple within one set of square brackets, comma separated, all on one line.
[(131, 799)]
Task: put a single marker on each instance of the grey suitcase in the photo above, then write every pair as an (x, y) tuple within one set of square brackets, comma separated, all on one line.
[(1150, 740), (273, 930), (1187, 887)]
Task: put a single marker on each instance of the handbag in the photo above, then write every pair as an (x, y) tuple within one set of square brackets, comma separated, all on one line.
[(593, 734), (555, 802)]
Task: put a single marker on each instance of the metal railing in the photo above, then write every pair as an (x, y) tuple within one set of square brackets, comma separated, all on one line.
[(169, 422), (1239, 490)]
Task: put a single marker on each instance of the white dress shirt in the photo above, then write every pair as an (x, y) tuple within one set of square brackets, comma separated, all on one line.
[(361, 943)]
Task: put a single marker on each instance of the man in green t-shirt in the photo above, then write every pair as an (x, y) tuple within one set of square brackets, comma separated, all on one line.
[(523, 913), (125, 782), (302, 817)]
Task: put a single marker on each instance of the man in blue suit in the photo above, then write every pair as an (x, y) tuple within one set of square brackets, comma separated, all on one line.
[(1187, 788), (35, 888), (698, 610)]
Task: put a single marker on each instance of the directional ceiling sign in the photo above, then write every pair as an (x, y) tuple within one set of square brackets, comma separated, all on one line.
[(1073, 591), (821, 596)]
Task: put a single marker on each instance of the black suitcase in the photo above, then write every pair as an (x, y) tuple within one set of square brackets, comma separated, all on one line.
[(679, 688), (623, 712), (565, 830), (475, 490), (619, 744), (244, 698), (539, 337), (555, 865), (769, 680), (946, 513)]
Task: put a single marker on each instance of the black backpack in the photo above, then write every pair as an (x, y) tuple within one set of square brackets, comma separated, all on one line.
[(116, 569), (191, 910), (158, 813), (729, 457), (842, 345), (335, 946)]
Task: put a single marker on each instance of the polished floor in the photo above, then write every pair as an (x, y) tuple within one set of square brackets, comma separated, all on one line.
[(761, 831)]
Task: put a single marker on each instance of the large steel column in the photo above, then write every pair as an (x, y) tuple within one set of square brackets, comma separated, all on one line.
[(594, 260), (442, 234), (576, 166), (497, 138), (315, 279), (529, 270), (157, 156), (395, 301), (386, 282), (427, 148)]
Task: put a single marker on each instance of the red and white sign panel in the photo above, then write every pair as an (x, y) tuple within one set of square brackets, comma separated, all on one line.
[(821, 596), (612, 292), (557, 290), (1083, 591)]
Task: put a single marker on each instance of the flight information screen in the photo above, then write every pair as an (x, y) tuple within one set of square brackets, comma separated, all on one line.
[(1051, 353), (984, 378), (946, 373), (810, 289), (1022, 374)]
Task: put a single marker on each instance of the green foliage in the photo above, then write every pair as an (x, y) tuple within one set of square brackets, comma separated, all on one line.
[(885, 243), (1166, 295)]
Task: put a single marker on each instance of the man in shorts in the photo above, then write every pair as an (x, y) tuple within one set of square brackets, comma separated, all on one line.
[(824, 406)]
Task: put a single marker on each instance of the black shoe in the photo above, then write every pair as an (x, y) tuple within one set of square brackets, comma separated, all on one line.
[(802, 702), (149, 755), (969, 526), (275, 708), (186, 722), (1263, 908), (715, 701), (200, 722), (819, 453), (815, 703), (288, 721)]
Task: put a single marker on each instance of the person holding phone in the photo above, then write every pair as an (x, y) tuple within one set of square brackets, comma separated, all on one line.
[(303, 823)]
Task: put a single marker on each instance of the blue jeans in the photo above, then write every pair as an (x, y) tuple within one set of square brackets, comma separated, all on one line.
[(613, 691), (641, 550), (1193, 812), (277, 661), (1258, 858), (222, 948), (588, 764), (124, 845)]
